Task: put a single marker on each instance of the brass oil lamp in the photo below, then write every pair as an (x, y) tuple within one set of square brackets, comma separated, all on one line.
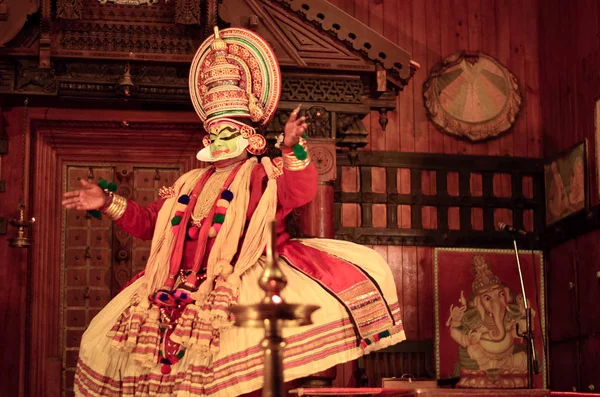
[(273, 314)]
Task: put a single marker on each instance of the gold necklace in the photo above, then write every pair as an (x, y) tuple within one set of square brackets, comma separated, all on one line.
[(208, 195), (227, 168)]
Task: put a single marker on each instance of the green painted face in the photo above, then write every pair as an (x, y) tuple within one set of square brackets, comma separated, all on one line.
[(225, 140)]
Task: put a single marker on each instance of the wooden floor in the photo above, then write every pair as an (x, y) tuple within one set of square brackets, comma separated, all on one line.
[(440, 392)]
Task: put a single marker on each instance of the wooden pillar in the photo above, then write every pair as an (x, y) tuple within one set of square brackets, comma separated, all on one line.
[(316, 219)]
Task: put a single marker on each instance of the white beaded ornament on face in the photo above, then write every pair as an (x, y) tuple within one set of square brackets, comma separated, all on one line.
[(234, 76)]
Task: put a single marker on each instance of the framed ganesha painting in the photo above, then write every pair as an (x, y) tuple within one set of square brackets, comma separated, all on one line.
[(480, 313)]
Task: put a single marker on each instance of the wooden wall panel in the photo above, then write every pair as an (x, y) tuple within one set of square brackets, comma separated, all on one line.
[(570, 77), (13, 265), (433, 29), (413, 273)]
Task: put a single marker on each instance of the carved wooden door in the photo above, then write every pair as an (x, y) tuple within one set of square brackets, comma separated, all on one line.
[(98, 257)]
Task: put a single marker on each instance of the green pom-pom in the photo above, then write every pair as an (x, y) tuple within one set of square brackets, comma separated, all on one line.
[(304, 136), (112, 187), (219, 218), (95, 214), (103, 183), (175, 221), (299, 152), (180, 354)]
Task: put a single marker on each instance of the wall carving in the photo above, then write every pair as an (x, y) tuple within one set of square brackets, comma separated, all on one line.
[(358, 36), (130, 2), (351, 134), (323, 90), (115, 125), (188, 12), (92, 36), (31, 78), (167, 82), (163, 12), (319, 122), (323, 159), (69, 9)]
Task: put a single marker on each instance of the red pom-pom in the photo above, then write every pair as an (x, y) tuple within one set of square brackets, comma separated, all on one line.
[(179, 213), (165, 369), (217, 227), (193, 232), (221, 210)]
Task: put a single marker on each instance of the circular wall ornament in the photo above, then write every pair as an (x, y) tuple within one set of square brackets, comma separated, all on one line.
[(472, 96), (322, 158)]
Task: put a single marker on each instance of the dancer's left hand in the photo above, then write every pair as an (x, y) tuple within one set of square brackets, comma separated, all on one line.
[(294, 128)]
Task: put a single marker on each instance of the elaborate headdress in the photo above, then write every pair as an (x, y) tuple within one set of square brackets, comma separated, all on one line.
[(484, 277), (235, 83)]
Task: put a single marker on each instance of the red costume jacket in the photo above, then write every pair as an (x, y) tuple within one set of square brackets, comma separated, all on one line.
[(294, 189)]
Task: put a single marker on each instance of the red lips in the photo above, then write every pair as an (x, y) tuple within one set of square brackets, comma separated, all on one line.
[(220, 151)]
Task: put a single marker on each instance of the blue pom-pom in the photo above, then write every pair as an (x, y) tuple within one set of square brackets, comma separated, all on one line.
[(163, 297), (227, 195), (184, 199), (183, 296)]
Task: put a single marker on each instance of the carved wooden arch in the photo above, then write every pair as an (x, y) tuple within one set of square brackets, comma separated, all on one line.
[(319, 47)]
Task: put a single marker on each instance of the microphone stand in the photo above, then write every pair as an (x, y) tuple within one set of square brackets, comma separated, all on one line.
[(528, 333)]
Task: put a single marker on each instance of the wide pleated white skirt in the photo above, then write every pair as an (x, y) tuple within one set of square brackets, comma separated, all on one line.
[(238, 367)]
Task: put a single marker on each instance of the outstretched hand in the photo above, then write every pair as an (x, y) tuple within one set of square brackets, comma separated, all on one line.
[(91, 197), (294, 128)]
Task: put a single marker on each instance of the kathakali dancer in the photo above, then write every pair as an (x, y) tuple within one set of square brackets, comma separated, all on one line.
[(169, 333)]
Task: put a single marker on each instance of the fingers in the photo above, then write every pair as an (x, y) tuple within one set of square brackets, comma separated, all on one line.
[(299, 129), (74, 193), (84, 183), (70, 203), (294, 114)]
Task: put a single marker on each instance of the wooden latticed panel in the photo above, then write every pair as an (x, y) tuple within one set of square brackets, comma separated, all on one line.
[(394, 198), (99, 258)]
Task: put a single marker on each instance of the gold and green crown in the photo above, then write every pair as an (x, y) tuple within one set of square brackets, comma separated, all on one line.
[(235, 74)]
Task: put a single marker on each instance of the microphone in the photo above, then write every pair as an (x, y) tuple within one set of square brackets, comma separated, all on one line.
[(510, 229)]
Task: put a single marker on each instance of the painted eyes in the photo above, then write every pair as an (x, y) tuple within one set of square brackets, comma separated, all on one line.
[(224, 137)]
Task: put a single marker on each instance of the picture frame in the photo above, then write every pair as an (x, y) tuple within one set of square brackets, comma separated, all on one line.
[(597, 137), (566, 183), (478, 309)]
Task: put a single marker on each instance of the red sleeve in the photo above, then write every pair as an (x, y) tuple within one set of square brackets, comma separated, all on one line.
[(296, 188), (140, 221)]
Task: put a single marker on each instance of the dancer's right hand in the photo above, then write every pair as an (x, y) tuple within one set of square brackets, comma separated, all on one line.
[(91, 197)]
